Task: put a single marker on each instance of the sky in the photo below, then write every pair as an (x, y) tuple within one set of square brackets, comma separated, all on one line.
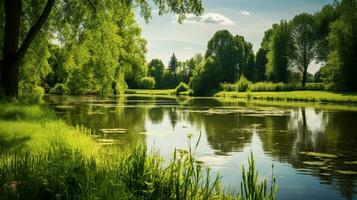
[(249, 18)]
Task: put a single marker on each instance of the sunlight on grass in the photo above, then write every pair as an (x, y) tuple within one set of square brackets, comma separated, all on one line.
[(44, 158), (313, 96)]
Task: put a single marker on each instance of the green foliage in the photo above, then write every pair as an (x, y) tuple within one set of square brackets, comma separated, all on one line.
[(243, 84), (342, 39), (224, 53), (222, 49), (304, 41), (280, 49), (91, 42), (156, 70), (269, 86), (44, 158), (59, 88), (311, 96), (251, 188), (18, 112), (150, 92), (183, 88), (173, 64), (323, 20), (31, 95), (205, 77), (147, 83)]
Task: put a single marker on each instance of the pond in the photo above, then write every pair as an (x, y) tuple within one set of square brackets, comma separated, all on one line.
[(313, 148)]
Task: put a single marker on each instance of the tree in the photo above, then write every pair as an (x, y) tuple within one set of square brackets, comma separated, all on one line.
[(304, 40), (323, 19), (280, 51), (173, 64), (261, 56), (342, 59), (73, 12), (156, 70), (193, 63), (222, 48), (244, 57), (147, 83)]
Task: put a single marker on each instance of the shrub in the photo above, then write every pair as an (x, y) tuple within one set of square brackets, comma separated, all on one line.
[(229, 87), (183, 88), (314, 86), (276, 87), (147, 83), (31, 95), (59, 88), (243, 84)]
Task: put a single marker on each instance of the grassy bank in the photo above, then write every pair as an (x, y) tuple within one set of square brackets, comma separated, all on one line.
[(44, 158), (150, 92), (311, 96)]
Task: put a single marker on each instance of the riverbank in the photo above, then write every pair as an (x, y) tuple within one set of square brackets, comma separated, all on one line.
[(150, 92), (42, 157), (310, 96)]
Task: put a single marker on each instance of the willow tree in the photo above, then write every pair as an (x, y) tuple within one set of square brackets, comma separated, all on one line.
[(67, 13)]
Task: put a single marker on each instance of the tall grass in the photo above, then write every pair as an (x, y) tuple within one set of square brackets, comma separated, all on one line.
[(270, 87), (45, 158), (64, 173), (310, 96)]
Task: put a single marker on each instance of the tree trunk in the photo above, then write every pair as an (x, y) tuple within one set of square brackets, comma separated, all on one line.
[(12, 53), (304, 77), (10, 63)]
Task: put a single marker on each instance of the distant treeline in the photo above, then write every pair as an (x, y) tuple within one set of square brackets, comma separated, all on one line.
[(327, 37), (104, 53)]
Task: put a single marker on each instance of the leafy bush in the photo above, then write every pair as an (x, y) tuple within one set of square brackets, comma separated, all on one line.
[(276, 87), (314, 86), (183, 88), (59, 88), (31, 95), (147, 83), (229, 87), (243, 84)]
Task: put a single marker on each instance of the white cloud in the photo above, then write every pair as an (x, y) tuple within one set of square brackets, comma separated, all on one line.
[(209, 18), (188, 48), (244, 12)]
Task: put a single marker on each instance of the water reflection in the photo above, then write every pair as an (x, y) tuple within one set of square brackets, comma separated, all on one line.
[(285, 136)]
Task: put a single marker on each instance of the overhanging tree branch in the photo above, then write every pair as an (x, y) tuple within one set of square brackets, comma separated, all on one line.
[(35, 29)]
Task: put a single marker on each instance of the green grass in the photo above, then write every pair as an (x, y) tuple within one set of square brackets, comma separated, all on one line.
[(311, 96), (44, 158), (150, 92)]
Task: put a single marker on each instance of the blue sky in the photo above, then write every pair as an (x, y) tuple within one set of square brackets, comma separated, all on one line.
[(249, 18)]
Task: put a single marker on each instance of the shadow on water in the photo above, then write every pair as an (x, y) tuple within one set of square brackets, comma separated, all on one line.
[(313, 148)]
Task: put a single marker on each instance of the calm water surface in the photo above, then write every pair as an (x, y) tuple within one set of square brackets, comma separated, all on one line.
[(278, 136)]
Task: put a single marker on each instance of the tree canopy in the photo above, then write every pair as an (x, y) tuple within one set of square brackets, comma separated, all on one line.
[(79, 26)]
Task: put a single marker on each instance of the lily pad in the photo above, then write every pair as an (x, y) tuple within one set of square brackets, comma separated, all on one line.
[(106, 140), (64, 107), (346, 172), (317, 154), (314, 163), (325, 168), (158, 134), (114, 130), (350, 162)]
